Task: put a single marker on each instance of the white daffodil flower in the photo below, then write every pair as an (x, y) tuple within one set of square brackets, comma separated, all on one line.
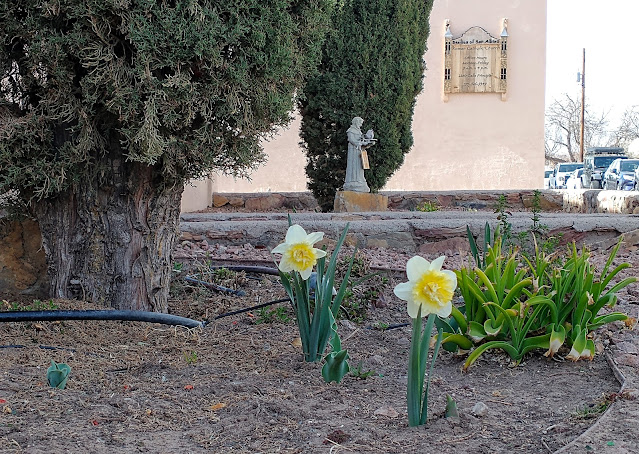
[(428, 287), (298, 253)]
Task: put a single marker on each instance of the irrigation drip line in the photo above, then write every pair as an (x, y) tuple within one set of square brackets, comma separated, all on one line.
[(42, 347), (389, 327), (248, 269), (211, 286), (151, 317), (131, 316), (259, 306)]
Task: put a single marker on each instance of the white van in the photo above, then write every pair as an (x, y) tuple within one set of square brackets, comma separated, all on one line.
[(561, 173)]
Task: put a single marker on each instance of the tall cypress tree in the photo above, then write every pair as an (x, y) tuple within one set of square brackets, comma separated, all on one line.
[(372, 66)]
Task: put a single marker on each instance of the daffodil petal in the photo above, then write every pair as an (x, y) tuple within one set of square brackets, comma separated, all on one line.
[(314, 237), (413, 309), (280, 248), (446, 310), (452, 277), (437, 263), (306, 273), (285, 265), (319, 253), (295, 234), (404, 291), (416, 266)]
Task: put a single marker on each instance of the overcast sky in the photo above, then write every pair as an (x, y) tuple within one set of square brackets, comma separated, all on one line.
[(608, 31)]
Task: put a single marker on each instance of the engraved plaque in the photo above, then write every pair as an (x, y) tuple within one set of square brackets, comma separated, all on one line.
[(475, 62)]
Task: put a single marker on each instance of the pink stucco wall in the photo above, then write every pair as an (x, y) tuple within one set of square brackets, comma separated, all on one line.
[(473, 141)]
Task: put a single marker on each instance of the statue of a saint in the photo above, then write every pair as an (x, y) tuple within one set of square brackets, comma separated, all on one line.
[(357, 142)]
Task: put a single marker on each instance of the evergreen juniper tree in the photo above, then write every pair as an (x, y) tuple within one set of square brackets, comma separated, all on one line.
[(372, 66), (107, 107)]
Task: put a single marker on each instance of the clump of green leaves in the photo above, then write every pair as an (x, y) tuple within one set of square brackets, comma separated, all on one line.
[(518, 304), (427, 206), (503, 215), (190, 357), (359, 373), (363, 288), (36, 305), (595, 409), (58, 374), (381, 326), (272, 315)]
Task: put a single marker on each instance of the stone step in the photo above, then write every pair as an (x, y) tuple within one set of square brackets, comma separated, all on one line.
[(407, 231)]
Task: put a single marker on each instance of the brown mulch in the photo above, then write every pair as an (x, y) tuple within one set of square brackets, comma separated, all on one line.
[(240, 385)]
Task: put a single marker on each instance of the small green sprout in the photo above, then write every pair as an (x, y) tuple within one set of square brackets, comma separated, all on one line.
[(57, 375)]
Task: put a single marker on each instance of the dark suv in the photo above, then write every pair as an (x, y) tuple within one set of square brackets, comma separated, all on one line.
[(596, 162)]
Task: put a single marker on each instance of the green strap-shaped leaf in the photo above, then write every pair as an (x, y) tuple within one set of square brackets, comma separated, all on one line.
[(336, 365), (457, 340)]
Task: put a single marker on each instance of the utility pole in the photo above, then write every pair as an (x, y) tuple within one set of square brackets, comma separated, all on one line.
[(583, 106)]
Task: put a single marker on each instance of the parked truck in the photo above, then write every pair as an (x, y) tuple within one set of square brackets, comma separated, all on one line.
[(596, 161)]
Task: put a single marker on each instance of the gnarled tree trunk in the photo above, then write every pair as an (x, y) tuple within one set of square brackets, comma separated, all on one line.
[(112, 244)]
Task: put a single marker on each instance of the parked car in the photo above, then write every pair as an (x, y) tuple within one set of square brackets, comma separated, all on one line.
[(620, 174), (561, 172), (547, 174), (574, 180), (596, 162)]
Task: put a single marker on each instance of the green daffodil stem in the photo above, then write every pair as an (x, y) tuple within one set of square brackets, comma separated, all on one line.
[(415, 384), (417, 395)]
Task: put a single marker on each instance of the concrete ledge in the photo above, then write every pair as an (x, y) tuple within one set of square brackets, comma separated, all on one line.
[(439, 231)]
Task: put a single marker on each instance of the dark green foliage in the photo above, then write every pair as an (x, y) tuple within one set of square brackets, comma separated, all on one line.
[(372, 66), (182, 86)]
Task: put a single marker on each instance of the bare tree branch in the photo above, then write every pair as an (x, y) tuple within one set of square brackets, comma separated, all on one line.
[(562, 130)]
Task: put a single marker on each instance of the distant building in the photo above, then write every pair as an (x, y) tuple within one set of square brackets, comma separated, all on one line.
[(464, 138)]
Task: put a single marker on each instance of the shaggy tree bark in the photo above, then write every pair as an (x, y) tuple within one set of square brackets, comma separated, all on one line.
[(112, 244)]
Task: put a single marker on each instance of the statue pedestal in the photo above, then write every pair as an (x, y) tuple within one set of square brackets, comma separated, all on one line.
[(353, 202)]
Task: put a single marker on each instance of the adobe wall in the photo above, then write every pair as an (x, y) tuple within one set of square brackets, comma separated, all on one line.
[(473, 141)]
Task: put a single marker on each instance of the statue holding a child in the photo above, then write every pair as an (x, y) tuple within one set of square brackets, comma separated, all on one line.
[(357, 158)]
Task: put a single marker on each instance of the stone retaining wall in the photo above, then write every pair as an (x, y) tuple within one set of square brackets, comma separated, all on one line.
[(22, 263), (22, 267), (399, 201), (574, 201)]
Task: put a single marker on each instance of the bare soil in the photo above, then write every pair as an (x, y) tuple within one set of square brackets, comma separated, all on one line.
[(240, 385)]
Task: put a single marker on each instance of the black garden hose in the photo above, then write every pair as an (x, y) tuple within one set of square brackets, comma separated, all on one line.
[(211, 286), (131, 316)]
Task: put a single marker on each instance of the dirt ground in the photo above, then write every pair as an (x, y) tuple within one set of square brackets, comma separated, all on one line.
[(240, 385)]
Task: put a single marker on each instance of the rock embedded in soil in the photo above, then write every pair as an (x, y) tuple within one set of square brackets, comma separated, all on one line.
[(480, 409)]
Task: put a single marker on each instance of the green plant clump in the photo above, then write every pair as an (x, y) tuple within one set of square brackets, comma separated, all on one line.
[(190, 357), (427, 206), (267, 315), (518, 304)]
